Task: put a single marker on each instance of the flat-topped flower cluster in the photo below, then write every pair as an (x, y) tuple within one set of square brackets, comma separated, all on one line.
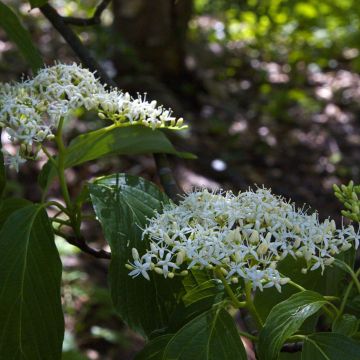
[(244, 236), (30, 110)]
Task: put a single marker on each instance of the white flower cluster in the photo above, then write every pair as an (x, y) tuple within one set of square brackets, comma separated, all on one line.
[(30, 110), (244, 236)]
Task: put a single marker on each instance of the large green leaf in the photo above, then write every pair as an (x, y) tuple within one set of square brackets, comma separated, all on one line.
[(8, 206), (122, 204), (265, 300), (346, 324), (154, 350), (31, 319), (20, 36), (330, 346), (196, 299), (210, 336), (131, 140), (285, 319)]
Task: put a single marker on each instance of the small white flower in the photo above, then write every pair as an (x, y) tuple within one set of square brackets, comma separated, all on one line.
[(140, 268), (245, 236), (31, 110)]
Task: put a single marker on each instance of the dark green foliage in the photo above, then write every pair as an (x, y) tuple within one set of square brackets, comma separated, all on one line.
[(122, 204), (31, 319), (20, 36)]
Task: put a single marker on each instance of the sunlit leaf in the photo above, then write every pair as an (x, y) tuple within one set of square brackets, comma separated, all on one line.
[(210, 336), (285, 319), (132, 140)]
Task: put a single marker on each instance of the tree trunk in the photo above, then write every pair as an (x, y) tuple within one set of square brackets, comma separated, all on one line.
[(153, 35)]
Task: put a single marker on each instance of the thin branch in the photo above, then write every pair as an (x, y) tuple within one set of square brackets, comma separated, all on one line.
[(80, 243), (75, 43), (167, 178), (94, 20)]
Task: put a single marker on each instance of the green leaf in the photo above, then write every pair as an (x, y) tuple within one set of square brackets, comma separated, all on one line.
[(205, 291), (267, 299), (330, 346), (8, 206), (20, 36), (290, 356), (123, 203), (197, 299), (31, 319), (37, 3), (210, 336), (285, 319), (346, 324), (154, 350), (131, 140)]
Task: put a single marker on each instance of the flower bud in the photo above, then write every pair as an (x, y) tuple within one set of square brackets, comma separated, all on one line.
[(263, 248), (284, 280), (254, 237), (135, 254), (179, 122), (159, 270), (224, 271), (329, 261), (180, 257)]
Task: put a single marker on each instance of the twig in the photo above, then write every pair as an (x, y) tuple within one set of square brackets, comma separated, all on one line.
[(80, 243), (75, 43), (94, 20), (167, 178)]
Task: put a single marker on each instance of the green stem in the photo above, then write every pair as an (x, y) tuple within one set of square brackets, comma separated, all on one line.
[(250, 305), (296, 338), (347, 293), (73, 213), (348, 269), (238, 304), (61, 166), (51, 159), (249, 336), (294, 284)]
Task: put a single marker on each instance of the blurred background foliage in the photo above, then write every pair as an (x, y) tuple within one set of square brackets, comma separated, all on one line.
[(270, 89)]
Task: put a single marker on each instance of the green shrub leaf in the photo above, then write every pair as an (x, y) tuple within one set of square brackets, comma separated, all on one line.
[(285, 319), (210, 336), (122, 204), (20, 36), (131, 140), (31, 319), (330, 346), (154, 350), (346, 324)]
